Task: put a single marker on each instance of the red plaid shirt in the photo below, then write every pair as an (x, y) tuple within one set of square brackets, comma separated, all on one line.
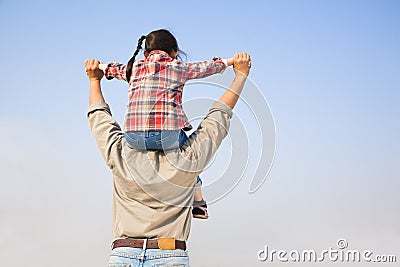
[(155, 90)]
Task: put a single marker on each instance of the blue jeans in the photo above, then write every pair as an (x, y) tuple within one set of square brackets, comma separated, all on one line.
[(137, 257), (157, 140)]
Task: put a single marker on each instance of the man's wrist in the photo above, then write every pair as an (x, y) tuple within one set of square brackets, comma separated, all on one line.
[(241, 76)]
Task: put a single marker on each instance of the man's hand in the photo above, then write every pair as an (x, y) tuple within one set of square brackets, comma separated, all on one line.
[(92, 70), (241, 64)]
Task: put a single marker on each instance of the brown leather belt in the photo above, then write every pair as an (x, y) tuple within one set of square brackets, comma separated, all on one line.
[(160, 243)]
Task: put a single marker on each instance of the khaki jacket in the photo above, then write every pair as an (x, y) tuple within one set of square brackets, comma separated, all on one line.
[(153, 190)]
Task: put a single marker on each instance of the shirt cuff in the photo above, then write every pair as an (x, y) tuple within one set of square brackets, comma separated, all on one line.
[(224, 60), (218, 105), (98, 105)]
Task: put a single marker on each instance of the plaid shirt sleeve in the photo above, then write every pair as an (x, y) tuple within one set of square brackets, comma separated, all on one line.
[(115, 70), (197, 70)]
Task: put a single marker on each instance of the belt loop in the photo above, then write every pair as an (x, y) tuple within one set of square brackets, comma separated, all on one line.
[(144, 249)]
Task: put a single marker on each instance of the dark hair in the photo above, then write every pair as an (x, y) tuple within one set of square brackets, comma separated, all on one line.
[(156, 40)]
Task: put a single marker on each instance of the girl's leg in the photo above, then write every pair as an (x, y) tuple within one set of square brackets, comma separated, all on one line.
[(182, 137), (199, 204), (198, 196)]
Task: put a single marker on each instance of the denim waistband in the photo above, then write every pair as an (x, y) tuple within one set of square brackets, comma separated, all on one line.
[(149, 254)]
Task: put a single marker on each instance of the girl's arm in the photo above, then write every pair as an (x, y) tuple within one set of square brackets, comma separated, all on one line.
[(114, 70), (197, 70)]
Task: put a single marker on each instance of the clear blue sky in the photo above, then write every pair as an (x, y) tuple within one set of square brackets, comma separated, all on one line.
[(328, 69)]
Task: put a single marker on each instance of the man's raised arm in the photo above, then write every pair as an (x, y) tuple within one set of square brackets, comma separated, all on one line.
[(95, 75), (205, 141), (241, 65), (105, 129)]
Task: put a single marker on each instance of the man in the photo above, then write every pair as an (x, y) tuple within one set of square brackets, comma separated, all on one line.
[(153, 190)]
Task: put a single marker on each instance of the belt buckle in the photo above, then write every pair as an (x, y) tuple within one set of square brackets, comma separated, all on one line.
[(166, 243)]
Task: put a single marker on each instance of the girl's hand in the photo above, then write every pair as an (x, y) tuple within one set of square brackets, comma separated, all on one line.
[(241, 64), (230, 61), (102, 66), (92, 70)]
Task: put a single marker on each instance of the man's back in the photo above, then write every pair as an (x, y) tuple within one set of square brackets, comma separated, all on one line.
[(153, 190)]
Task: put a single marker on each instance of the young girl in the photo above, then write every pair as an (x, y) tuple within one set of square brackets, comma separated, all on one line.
[(155, 119)]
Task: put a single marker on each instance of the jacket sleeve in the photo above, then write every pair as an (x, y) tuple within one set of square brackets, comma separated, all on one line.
[(203, 143), (106, 131)]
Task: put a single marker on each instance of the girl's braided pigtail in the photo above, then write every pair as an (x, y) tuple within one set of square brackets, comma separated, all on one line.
[(132, 60)]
